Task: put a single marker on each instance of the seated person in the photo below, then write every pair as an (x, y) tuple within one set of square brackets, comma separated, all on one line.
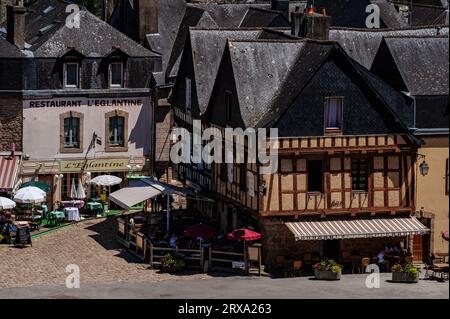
[(173, 241), (388, 250), (397, 250), (380, 260)]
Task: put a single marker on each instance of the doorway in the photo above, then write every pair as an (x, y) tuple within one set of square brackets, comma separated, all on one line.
[(332, 249), (421, 243)]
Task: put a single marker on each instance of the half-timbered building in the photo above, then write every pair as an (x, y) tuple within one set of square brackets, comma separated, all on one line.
[(345, 176)]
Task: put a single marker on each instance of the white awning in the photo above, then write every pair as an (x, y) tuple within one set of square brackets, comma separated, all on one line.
[(130, 196), (356, 228)]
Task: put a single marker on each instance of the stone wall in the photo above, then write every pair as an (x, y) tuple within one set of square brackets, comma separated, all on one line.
[(278, 240), (10, 123)]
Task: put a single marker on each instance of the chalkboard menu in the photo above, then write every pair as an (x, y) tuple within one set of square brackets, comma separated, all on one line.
[(23, 236)]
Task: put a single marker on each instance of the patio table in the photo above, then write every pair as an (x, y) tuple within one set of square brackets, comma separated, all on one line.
[(72, 214), (55, 217), (73, 203), (94, 206)]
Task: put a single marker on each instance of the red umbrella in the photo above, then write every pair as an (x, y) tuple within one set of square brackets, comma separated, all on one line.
[(200, 230), (445, 235), (244, 234)]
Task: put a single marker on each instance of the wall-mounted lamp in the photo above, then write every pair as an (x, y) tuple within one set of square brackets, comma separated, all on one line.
[(424, 168)]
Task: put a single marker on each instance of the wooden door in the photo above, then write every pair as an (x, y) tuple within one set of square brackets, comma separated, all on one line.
[(421, 243)]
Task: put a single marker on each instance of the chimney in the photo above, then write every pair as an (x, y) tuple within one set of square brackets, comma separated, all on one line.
[(148, 17), (310, 24), (15, 17), (282, 6)]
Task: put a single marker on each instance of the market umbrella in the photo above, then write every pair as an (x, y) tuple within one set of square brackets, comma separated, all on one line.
[(6, 203), (38, 184), (243, 234), (80, 193), (106, 180), (29, 195), (200, 230), (73, 190)]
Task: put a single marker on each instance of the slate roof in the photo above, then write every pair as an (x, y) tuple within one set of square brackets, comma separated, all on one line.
[(426, 15), (352, 13), (162, 42), (270, 74), (8, 50), (48, 36), (205, 15), (362, 44), (256, 17), (206, 58), (422, 62)]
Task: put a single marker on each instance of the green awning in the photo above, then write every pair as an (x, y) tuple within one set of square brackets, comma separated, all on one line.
[(38, 184)]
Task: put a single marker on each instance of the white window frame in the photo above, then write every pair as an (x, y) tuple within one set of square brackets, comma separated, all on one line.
[(111, 85), (77, 77)]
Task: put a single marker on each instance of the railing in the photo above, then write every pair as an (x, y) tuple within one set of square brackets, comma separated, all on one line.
[(224, 260), (195, 256)]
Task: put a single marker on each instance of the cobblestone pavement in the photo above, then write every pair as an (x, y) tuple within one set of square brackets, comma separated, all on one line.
[(90, 244)]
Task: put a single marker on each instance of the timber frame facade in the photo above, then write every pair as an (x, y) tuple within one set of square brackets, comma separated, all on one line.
[(390, 178)]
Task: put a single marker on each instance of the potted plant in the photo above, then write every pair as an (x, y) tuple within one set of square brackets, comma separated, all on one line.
[(328, 269), (170, 263), (407, 273)]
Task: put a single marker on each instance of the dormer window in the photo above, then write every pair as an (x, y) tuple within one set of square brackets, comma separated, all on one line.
[(71, 75), (116, 74)]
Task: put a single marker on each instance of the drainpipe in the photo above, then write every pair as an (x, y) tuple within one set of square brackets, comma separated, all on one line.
[(155, 93)]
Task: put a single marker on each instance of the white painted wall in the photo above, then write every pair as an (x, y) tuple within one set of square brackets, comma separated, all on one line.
[(41, 128)]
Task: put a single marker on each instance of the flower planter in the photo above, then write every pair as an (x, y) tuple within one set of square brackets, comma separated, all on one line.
[(327, 275), (404, 277)]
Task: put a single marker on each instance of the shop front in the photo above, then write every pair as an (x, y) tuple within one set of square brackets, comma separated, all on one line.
[(64, 176), (346, 240)]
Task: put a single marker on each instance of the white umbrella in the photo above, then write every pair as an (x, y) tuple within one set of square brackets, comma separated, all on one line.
[(73, 190), (6, 203), (80, 193), (29, 195), (106, 180)]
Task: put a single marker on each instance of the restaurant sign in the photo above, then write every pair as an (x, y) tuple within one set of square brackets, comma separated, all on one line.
[(97, 165)]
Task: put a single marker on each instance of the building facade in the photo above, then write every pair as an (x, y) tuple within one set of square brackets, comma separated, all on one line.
[(427, 84), (86, 99)]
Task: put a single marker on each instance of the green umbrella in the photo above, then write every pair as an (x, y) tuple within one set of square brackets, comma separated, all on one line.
[(38, 184)]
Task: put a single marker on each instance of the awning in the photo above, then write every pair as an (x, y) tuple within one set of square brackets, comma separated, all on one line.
[(9, 169), (130, 196), (356, 228)]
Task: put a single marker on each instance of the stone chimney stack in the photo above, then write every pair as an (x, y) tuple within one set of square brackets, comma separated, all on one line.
[(148, 17), (310, 24), (15, 24), (282, 6)]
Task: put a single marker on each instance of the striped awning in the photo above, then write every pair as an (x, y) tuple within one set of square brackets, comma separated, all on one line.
[(9, 169), (356, 228)]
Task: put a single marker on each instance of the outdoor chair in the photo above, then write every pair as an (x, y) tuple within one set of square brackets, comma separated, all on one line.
[(280, 264), (409, 259), (296, 268), (356, 264), (307, 259), (364, 263)]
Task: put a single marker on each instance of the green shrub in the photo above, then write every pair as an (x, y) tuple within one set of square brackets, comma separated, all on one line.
[(328, 264), (408, 268)]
